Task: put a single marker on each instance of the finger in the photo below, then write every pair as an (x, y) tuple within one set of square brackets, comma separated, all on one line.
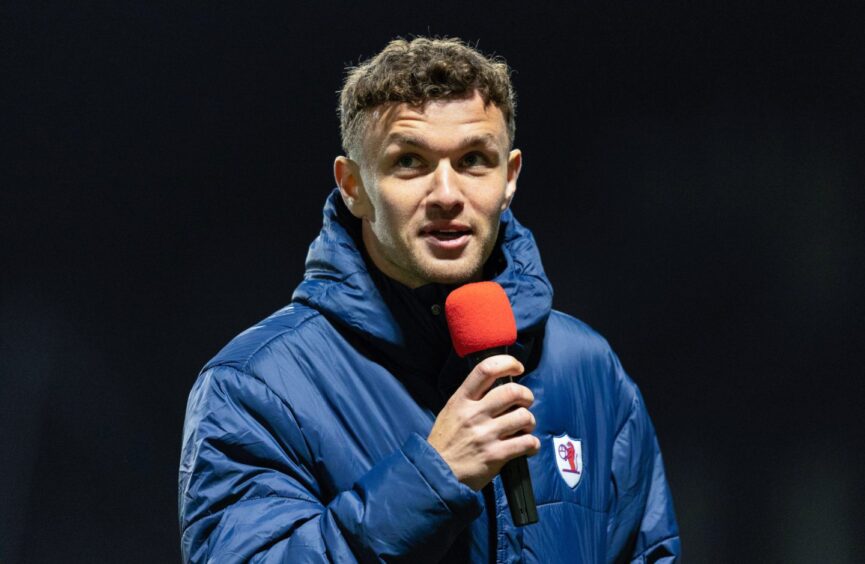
[(505, 397), (521, 445), (479, 380), (516, 422)]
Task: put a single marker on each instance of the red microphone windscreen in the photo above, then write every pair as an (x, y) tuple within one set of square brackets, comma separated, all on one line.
[(480, 317)]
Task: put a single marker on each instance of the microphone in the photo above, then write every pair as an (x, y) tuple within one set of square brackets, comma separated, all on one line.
[(481, 323)]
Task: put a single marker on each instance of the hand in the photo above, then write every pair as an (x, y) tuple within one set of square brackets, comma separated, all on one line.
[(480, 429)]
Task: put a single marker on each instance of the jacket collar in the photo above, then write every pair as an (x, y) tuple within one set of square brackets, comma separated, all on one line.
[(349, 291)]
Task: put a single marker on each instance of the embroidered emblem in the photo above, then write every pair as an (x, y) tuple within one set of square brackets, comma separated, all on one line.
[(569, 459)]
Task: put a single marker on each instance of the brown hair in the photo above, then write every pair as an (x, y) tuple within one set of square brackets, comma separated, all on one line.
[(417, 71)]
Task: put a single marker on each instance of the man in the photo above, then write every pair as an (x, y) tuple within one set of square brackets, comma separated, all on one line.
[(343, 427)]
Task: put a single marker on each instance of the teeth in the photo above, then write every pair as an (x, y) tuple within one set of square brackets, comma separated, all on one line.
[(447, 234), (451, 233)]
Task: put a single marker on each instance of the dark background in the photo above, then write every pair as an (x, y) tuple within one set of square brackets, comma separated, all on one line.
[(694, 176)]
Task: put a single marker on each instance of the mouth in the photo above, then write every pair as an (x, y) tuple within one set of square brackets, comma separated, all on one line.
[(448, 234), (447, 237)]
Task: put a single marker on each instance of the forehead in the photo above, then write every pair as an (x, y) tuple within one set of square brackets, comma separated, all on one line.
[(438, 122)]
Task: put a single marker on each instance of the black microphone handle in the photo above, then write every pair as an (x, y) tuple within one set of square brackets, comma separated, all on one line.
[(515, 473)]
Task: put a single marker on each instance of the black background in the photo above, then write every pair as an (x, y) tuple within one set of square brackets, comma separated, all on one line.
[(694, 177)]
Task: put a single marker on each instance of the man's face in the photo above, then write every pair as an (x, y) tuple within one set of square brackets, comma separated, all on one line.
[(431, 187)]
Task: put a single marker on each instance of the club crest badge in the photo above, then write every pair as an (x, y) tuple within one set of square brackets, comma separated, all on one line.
[(569, 459)]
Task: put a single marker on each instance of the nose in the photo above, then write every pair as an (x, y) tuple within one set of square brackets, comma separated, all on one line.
[(445, 191)]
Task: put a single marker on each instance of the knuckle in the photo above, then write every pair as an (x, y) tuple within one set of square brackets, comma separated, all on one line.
[(471, 420), (485, 433), (519, 394), (527, 444), (521, 416), (465, 416), (512, 393), (485, 370), (489, 453)]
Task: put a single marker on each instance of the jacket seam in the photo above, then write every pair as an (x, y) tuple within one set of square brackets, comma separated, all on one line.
[(313, 314), (569, 502), (281, 399), (294, 417), (248, 499), (635, 400), (426, 481), (249, 374)]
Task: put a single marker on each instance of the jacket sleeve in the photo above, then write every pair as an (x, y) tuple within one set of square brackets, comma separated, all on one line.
[(248, 490), (642, 526)]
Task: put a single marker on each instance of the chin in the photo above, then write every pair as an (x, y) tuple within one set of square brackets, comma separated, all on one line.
[(452, 274)]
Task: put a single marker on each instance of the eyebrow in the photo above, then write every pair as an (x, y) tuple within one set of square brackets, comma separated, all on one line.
[(486, 139)]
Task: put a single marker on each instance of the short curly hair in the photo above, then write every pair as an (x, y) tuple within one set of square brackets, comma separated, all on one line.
[(416, 72)]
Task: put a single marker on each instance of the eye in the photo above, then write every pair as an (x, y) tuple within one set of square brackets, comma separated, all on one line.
[(408, 161), (474, 159)]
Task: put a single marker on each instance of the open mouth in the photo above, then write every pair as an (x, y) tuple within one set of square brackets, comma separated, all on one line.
[(448, 234), (447, 238)]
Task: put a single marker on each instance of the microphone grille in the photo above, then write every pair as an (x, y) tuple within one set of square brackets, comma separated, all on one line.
[(480, 317)]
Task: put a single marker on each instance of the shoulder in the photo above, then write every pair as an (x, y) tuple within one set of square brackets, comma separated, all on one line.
[(575, 348), (263, 367), (277, 331), (573, 342), (578, 333), (295, 353)]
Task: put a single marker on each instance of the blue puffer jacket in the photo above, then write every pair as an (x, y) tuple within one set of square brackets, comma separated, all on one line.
[(305, 441)]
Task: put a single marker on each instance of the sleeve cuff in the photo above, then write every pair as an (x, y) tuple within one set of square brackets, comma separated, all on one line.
[(458, 497)]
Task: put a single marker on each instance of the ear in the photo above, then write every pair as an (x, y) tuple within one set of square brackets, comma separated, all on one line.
[(346, 172), (515, 164)]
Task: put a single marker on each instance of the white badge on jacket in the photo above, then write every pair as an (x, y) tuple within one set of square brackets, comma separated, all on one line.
[(569, 458)]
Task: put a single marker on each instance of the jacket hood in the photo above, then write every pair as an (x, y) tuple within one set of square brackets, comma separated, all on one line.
[(345, 288)]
